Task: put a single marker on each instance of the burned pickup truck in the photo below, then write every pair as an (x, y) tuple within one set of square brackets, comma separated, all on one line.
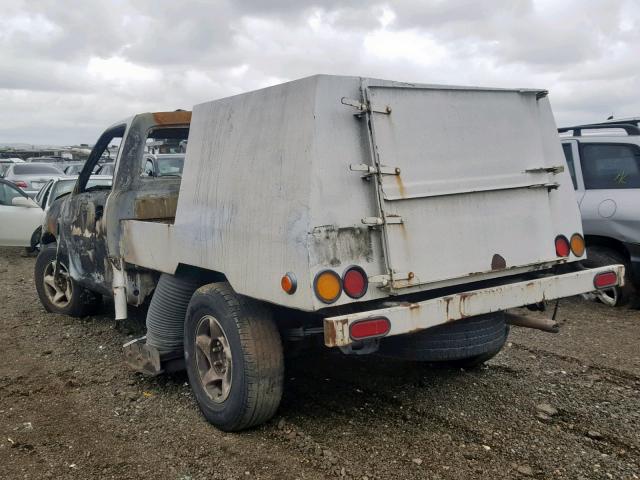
[(378, 216)]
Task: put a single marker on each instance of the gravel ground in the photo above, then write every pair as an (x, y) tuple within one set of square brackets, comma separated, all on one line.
[(548, 406)]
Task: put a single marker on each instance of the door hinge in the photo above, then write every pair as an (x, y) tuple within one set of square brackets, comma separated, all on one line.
[(365, 107), (399, 279), (391, 220), (381, 279), (549, 186), (555, 170), (373, 170)]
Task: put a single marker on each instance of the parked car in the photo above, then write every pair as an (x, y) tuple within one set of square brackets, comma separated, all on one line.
[(59, 187), (372, 215), (604, 163), (47, 159), (20, 217), (5, 163), (105, 169), (73, 168), (163, 165), (31, 177)]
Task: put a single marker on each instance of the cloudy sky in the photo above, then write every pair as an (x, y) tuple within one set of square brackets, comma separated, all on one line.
[(70, 68)]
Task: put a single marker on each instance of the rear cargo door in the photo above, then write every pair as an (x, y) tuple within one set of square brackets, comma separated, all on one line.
[(463, 182)]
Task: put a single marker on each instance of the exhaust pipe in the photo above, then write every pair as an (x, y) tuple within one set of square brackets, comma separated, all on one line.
[(544, 324)]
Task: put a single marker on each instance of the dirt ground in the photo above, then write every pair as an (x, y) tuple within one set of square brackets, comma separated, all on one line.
[(548, 406)]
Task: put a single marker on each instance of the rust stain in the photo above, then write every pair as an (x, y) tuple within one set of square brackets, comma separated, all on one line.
[(331, 331), (334, 245), (498, 262), (463, 299), (447, 304), (401, 189), (156, 207), (172, 118), (329, 334)]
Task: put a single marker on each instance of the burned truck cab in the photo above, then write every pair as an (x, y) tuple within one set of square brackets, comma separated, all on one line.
[(87, 227)]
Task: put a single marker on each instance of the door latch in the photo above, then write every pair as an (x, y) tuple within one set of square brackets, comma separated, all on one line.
[(373, 170)]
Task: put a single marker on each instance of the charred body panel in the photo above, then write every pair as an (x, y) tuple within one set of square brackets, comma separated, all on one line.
[(89, 225)]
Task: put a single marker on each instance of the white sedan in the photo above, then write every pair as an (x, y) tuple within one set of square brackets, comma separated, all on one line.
[(20, 217)]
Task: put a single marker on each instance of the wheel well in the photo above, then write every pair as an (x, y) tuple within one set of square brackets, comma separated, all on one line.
[(612, 243), (202, 274)]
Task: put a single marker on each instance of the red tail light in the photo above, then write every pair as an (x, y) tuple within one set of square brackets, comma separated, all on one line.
[(562, 246), (369, 328), (605, 279), (355, 282), (20, 183)]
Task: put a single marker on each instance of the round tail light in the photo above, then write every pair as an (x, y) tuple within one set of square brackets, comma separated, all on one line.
[(355, 282), (562, 246), (289, 283), (328, 286), (577, 244)]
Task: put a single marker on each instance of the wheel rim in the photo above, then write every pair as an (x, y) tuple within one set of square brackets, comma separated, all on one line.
[(58, 288), (213, 358), (608, 297)]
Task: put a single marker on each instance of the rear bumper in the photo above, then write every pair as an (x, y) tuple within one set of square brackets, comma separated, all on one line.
[(412, 317)]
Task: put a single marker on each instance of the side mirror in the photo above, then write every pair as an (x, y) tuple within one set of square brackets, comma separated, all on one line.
[(24, 202)]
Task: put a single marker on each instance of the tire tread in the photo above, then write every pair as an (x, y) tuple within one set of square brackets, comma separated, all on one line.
[(262, 354)]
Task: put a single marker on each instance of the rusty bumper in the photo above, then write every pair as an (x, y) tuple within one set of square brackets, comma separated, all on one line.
[(413, 317)]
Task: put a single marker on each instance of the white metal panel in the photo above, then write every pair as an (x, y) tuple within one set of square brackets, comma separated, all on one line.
[(150, 243), (472, 185), (268, 189), (243, 208)]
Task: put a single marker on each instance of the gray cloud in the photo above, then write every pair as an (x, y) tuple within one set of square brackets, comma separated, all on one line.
[(68, 70)]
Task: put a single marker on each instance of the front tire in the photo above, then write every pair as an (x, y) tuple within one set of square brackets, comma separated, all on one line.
[(234, 358), (58, 292)]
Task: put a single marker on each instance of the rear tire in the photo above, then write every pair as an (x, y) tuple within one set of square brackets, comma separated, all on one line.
[(463, 343), (61, 294), (234, 358), (601, 257)]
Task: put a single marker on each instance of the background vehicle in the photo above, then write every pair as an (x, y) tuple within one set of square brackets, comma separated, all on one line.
[(163, 165), (31, 177), (58, 187), (340, 208), (5, 163), (105, 169), (51, 195), (604, 162), (73, 168), (20, 217), (50, 159)]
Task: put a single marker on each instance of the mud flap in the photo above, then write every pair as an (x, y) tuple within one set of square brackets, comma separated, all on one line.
[(144, 358)]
